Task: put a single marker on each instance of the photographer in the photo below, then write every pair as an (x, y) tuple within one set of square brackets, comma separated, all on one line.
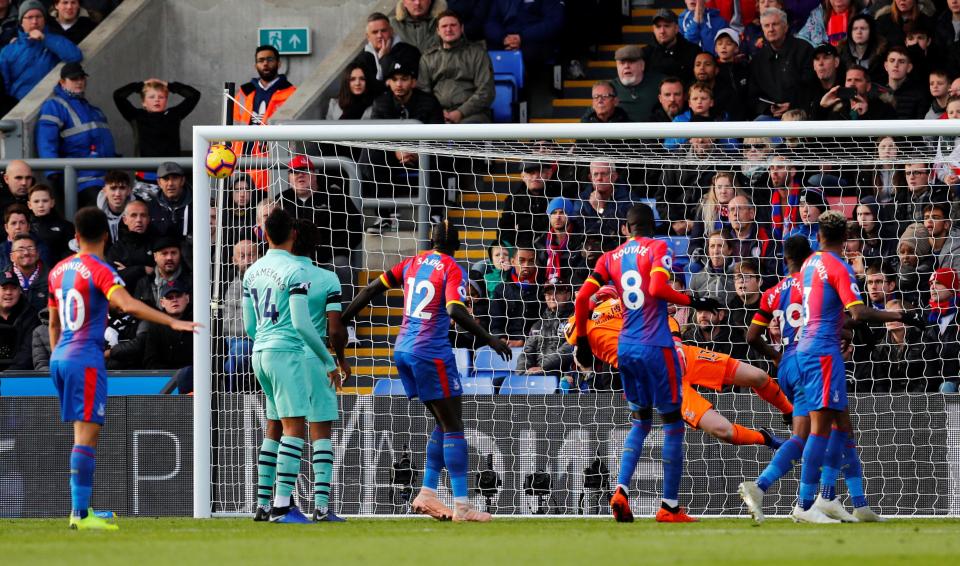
[(855, 100)]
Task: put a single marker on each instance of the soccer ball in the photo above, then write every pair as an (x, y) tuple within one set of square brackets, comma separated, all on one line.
[(221, 161)]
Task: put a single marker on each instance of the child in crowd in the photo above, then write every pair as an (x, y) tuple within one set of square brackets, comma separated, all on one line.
[(47, 223)]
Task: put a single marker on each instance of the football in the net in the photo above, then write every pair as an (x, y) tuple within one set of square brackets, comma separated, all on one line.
[(221, 161)]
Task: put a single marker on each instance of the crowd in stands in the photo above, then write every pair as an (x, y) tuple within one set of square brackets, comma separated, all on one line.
[(719, 60)]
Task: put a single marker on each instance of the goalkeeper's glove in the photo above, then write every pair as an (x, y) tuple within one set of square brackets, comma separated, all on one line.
[(913, 318), (704, 303), (583, 354)]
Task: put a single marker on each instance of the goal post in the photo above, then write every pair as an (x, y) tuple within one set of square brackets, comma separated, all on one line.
[(563, 434)]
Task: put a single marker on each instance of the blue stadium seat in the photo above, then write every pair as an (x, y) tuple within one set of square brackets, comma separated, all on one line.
[(388, 387), (477, 385), (508, 63), (486, 363), (503, 103), (462, 356), (521, 384)]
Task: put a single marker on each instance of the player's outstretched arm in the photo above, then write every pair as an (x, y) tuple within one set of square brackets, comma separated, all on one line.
[(581, 312), (363, 298), (862, 313), (661, 289), (460, 315), (303, 324), (756, 341), (121, 299)]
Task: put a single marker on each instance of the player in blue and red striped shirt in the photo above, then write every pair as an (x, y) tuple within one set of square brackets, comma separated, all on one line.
[(434, 288), (829, 288), (640, 271), (82, 289)]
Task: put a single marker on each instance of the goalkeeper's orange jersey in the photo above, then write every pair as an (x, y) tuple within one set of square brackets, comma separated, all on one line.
[(603, 330)]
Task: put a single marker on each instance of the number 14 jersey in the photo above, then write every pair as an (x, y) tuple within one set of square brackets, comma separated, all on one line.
[(430, 281), (630, 269)]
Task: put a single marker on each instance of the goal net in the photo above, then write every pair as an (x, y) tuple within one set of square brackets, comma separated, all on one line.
[(536, 205)]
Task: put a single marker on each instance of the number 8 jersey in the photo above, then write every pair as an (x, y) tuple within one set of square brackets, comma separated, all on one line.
[(629, 268), (430, 281), (80, 288)]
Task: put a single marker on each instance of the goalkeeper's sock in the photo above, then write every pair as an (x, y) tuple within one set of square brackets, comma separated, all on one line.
[(852, 469), (288, 467), (832, 458), (781, 463), (83, 462), (455, 457), (632, 449), (744, 435), (322, 472), (771, 393), (672, 461), (813, 454), (266, 471), (433, 465)]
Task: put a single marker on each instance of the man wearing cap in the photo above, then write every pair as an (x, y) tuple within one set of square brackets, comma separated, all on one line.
[(403, 100), (545, 350), (941, 337), (69, 126), (811, 207), (530, 26), (170, 211), (17, 321), (35, 52), (827, 75), (699, 24), (635, 88), (169, 270), (781, 67), (165, 348), (671, 54), (524, 213)]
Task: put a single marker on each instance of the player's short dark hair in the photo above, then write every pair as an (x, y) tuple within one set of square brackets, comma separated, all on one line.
[(445, 237), (305, 243), (116, 177), (640, 220), (943, 207), (833, 227), (91, 224), (796, 249), (267, 47), (278, 225)]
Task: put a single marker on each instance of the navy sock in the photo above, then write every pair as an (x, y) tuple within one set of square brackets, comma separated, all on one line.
[(83, 462)]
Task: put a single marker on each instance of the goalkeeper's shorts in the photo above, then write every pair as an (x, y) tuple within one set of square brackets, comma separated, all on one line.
[(788, 377), (708, 368), (284, 383), (694, 406), (323, 395)]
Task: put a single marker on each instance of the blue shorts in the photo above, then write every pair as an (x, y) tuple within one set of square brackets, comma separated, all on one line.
[(82, 391), (651, 377), (428, 378), (824, 380), (788, 377)]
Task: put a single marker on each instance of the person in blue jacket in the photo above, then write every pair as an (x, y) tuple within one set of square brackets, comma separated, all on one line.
[(34, 53), (69, 126), (699, 24), (530, 26)]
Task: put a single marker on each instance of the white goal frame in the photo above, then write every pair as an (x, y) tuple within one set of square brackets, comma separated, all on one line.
[(203, 136)]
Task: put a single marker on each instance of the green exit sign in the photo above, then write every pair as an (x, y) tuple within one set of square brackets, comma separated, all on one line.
[(288, 41)]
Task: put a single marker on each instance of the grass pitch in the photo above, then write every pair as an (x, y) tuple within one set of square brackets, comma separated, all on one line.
[(423, 542)]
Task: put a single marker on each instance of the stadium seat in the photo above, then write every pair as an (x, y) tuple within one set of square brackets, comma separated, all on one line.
[(503, 103), (845, 205), (462, 355), (477, 385), (522, 384), (486, 363), (680, 247), (508, 64), (388, 387)]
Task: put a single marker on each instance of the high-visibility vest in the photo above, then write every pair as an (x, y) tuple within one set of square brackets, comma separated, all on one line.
[(243, 113)]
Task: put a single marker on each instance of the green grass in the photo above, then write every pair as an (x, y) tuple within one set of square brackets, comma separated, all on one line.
[(179, 542)]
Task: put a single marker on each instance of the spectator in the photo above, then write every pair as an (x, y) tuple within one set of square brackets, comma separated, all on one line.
[(701, 101), (16, 221), (738, 12), (264, 208), (69, 23), (898, 360), (478, 306), (474, 16), (867, 216), (166, 348), (238, 220), (826, 71), (17, 178), (604, 204), (515, 306), (700, 24), (40, 341), (828, 22), (382, 43), (886, 176), (713, 215), (748, 239), (17, 321), (169, 271), (892, 18), (170, 211), (530, 26), (131, 254), (487, 274), (69, 126), (783, 187), (866, 103), (113, 197), (811, 207), (756, 153), (415, 23), (582, 264), (9, 26), (238, 346), (605, 105), (711, 331), (156, 126), (672, 100), (880, 287), (943, 237), (907, 205), (561, 242), (34, 53), (910, 101), (914, 264), (670, 54), (259, 99), (355, 100), (545, 351), (713, 278), (939, 83), (459, 73), (524, 213), (780, 68), (853, 251), (727, 95), (635, 88), (863, 46), (31, 273), (47, 224), (746, 300), (941, 337), (919, 40)]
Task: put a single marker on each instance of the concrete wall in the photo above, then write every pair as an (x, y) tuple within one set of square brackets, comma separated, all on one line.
[(205, 43)]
